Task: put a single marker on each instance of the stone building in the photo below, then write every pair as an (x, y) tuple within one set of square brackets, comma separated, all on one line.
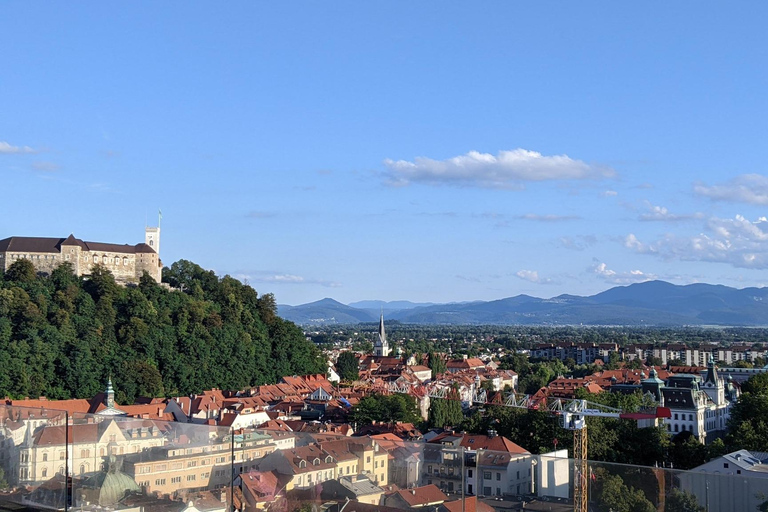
[(126, 262)]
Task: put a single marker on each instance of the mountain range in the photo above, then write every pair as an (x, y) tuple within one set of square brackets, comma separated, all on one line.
[(653, 303)]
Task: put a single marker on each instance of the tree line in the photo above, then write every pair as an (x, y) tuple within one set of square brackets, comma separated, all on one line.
[(62, 336)]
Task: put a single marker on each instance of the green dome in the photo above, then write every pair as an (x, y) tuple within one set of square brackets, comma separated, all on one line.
[(109, 487)]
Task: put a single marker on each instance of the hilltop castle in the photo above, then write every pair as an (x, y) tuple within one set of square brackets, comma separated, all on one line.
[(126, 262)]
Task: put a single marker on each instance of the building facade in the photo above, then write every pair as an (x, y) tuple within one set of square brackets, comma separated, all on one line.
[(126, 262)]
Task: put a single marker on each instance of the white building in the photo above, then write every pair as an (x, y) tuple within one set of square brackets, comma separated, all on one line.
[(734, 482)]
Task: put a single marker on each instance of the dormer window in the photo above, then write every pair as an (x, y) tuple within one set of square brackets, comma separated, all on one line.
[(329, 459), (316, 462), (303, 464)]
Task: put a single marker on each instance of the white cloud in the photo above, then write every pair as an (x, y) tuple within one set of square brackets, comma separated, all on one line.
[(45, 166), (506, 170), (746, 188), (532, 276), (283, 278), (662, 214), (602, 271), (609, 193), (8, 149), (738, 242), (578, 243), (548, 218)]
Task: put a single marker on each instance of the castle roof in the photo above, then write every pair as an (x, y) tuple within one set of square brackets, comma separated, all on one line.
[(43, 244)]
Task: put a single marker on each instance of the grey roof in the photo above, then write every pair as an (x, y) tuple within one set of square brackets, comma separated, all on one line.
[(42, 244), (361, 486), (679, 398)]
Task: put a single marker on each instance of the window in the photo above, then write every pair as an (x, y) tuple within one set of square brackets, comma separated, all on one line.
[(191, 478), (487, 491), (176, 480), (45, 472), (675, 415), (469, 474), (160, 481), (45, 458), (726, 465), (95, 258), (487, 475)]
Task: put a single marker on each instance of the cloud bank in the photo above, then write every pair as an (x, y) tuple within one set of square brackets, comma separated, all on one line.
[(747, 188), (738, 242), (532, 276), (602, 271), (283, 278), (8, 149), (506, 170)]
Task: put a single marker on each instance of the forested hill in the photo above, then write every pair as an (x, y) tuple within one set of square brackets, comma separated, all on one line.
[(62, 336)]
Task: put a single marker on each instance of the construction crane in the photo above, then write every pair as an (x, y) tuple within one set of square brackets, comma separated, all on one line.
[(573, 413)]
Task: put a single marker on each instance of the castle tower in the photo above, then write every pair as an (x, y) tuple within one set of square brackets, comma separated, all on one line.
[(152, 238), (381, 347)]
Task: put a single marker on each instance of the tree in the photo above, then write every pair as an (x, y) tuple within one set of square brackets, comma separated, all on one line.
[(747, 426), (21, 271), (347, 366), (756, 384), (617, 497), (682, 501), (385, 408), (436, 364), (445, 412)]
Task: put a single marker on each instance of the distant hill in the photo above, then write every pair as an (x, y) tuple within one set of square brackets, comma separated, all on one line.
[(655, 303), (325, 311)]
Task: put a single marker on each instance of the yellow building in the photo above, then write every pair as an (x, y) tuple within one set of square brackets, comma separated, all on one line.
[(172, 468), (43, 453)]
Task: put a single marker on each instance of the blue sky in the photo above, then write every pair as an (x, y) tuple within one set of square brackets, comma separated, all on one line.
[(396, 150)]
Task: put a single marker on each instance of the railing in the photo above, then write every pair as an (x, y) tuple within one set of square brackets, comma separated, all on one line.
[(54, 460)]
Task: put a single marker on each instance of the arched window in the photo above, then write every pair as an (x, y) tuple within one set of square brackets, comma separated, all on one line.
[(104, 259), (82, 469), (95, 258), (102, 453), (151, 243), (45, 472), (125, 261)]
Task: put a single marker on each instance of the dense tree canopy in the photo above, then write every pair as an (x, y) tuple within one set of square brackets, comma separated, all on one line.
[(348, 366), (62, 336), (385, 408)]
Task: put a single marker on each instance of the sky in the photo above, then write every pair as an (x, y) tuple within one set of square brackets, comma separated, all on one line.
[(423, 151)]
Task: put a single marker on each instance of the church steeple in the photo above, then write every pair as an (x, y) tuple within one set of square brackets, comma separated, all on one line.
[(381, 347), (109, 399), (711, 372)]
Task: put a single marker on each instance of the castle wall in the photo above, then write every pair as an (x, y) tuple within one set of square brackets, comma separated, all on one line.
[(126, 267)]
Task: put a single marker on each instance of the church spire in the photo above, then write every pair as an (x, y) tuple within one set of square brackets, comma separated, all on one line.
[(381, 347), (109, 399), (711, 371)]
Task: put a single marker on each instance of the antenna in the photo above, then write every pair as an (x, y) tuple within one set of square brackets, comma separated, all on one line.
[(159, 217)]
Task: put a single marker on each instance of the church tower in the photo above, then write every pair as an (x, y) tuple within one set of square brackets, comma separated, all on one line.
[(381, 347), (713, 385)]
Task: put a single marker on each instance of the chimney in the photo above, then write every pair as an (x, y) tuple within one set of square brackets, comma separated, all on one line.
[(413, 491)]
